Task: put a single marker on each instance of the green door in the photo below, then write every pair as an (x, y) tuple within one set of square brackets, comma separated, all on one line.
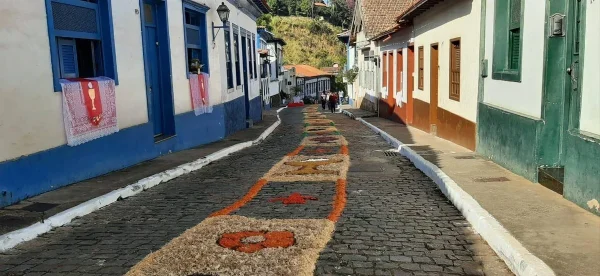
[(574, 37)]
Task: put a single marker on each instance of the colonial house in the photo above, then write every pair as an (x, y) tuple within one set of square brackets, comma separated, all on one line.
[(289, 82), (370, 18), (539, 106), (522, 93), (351, 66), (437, 92), (274, 62), (263, 52), (334, 70), (93, 86), (312, 81)]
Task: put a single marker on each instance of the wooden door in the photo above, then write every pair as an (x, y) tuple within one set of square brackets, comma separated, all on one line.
[(390, 84), (398, 80), (433, 87), (410, 85)]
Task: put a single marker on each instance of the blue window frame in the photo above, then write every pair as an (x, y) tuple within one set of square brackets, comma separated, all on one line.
[(195, 35), (228, 61), (250, 55), (254, 56), (236, 52), (81, 39)]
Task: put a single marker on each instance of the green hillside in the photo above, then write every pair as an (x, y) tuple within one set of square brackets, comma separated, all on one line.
[(308, 41)]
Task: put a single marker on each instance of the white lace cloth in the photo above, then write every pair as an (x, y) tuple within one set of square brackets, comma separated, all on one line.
[(199, 91), (78, 127)]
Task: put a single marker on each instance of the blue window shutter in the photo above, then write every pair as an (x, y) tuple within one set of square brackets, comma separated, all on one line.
[(67, 55)]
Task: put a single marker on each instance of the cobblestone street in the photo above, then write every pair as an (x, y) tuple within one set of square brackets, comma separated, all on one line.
[(395, 222)]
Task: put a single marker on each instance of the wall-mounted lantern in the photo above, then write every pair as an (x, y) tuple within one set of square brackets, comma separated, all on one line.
[(223, 12)]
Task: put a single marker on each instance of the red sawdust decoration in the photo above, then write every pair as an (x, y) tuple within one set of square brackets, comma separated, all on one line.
[(294, 198), (238, 241)]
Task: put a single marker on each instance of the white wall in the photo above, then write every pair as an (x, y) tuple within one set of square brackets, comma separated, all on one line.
[(446, 21), (30, 110), (590, 102), (398, 45), (523, 97)]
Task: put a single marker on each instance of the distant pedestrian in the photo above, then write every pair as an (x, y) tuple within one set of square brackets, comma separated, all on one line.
[(332, 102), (328, 95), (323, 100)]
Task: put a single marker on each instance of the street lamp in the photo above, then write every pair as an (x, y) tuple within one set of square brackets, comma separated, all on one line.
[(223, 12)]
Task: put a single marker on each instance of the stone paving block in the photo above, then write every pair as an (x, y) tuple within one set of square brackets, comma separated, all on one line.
[(268, 203), (393, 221)]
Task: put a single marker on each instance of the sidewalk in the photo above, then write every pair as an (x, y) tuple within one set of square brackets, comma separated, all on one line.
[(38, 208), (561, 234)]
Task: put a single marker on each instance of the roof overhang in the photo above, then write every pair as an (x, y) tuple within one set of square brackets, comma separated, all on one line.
[(417, 9), (262, 5), (263, 52), (277, 40)]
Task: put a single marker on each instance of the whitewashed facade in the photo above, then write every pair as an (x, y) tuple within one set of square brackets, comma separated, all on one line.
[(31, 111)]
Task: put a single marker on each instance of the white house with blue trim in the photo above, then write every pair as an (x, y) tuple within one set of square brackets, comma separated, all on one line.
[(146, 47)]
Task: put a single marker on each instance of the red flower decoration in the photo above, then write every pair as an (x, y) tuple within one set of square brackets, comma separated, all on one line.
[(253, 241), (295, 198)]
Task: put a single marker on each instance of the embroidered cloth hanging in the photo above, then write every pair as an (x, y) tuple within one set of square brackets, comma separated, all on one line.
[(199, 91), (89, 109)]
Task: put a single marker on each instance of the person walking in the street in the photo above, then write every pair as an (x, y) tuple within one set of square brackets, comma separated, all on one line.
[(332, 102), (327, 100), (323, 100)]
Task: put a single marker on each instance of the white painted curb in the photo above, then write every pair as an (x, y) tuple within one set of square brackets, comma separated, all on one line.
[(11, 239), (518, 258)]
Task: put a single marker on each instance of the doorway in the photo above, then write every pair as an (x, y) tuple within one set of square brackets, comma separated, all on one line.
[(245, 51), (433, 88), (390, 83), (157, 68), (410, 85)]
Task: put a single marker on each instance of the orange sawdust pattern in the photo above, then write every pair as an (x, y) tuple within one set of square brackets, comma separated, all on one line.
[(236, 241), (344, 150), (238, 204), (294, 198), (296, 151), (339, 202), (252, 236)]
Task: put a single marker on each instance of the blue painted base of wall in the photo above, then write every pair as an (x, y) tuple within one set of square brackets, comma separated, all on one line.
[(235, 116), (256, 109), (54, 168)]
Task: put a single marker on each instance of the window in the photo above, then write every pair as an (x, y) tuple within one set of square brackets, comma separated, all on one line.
[(194, 21), (81, 39), (249, 55), (384, 75), (421, 67), (279, 60), (254, 56), (455, 69), (228, 57), (236, 52), (508, 26)]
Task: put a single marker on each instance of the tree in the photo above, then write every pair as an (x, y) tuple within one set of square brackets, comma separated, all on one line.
[(305, 7), (279, 7)]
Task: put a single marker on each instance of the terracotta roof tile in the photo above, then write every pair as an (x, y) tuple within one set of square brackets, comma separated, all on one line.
[(304, 70), (380, 15)]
